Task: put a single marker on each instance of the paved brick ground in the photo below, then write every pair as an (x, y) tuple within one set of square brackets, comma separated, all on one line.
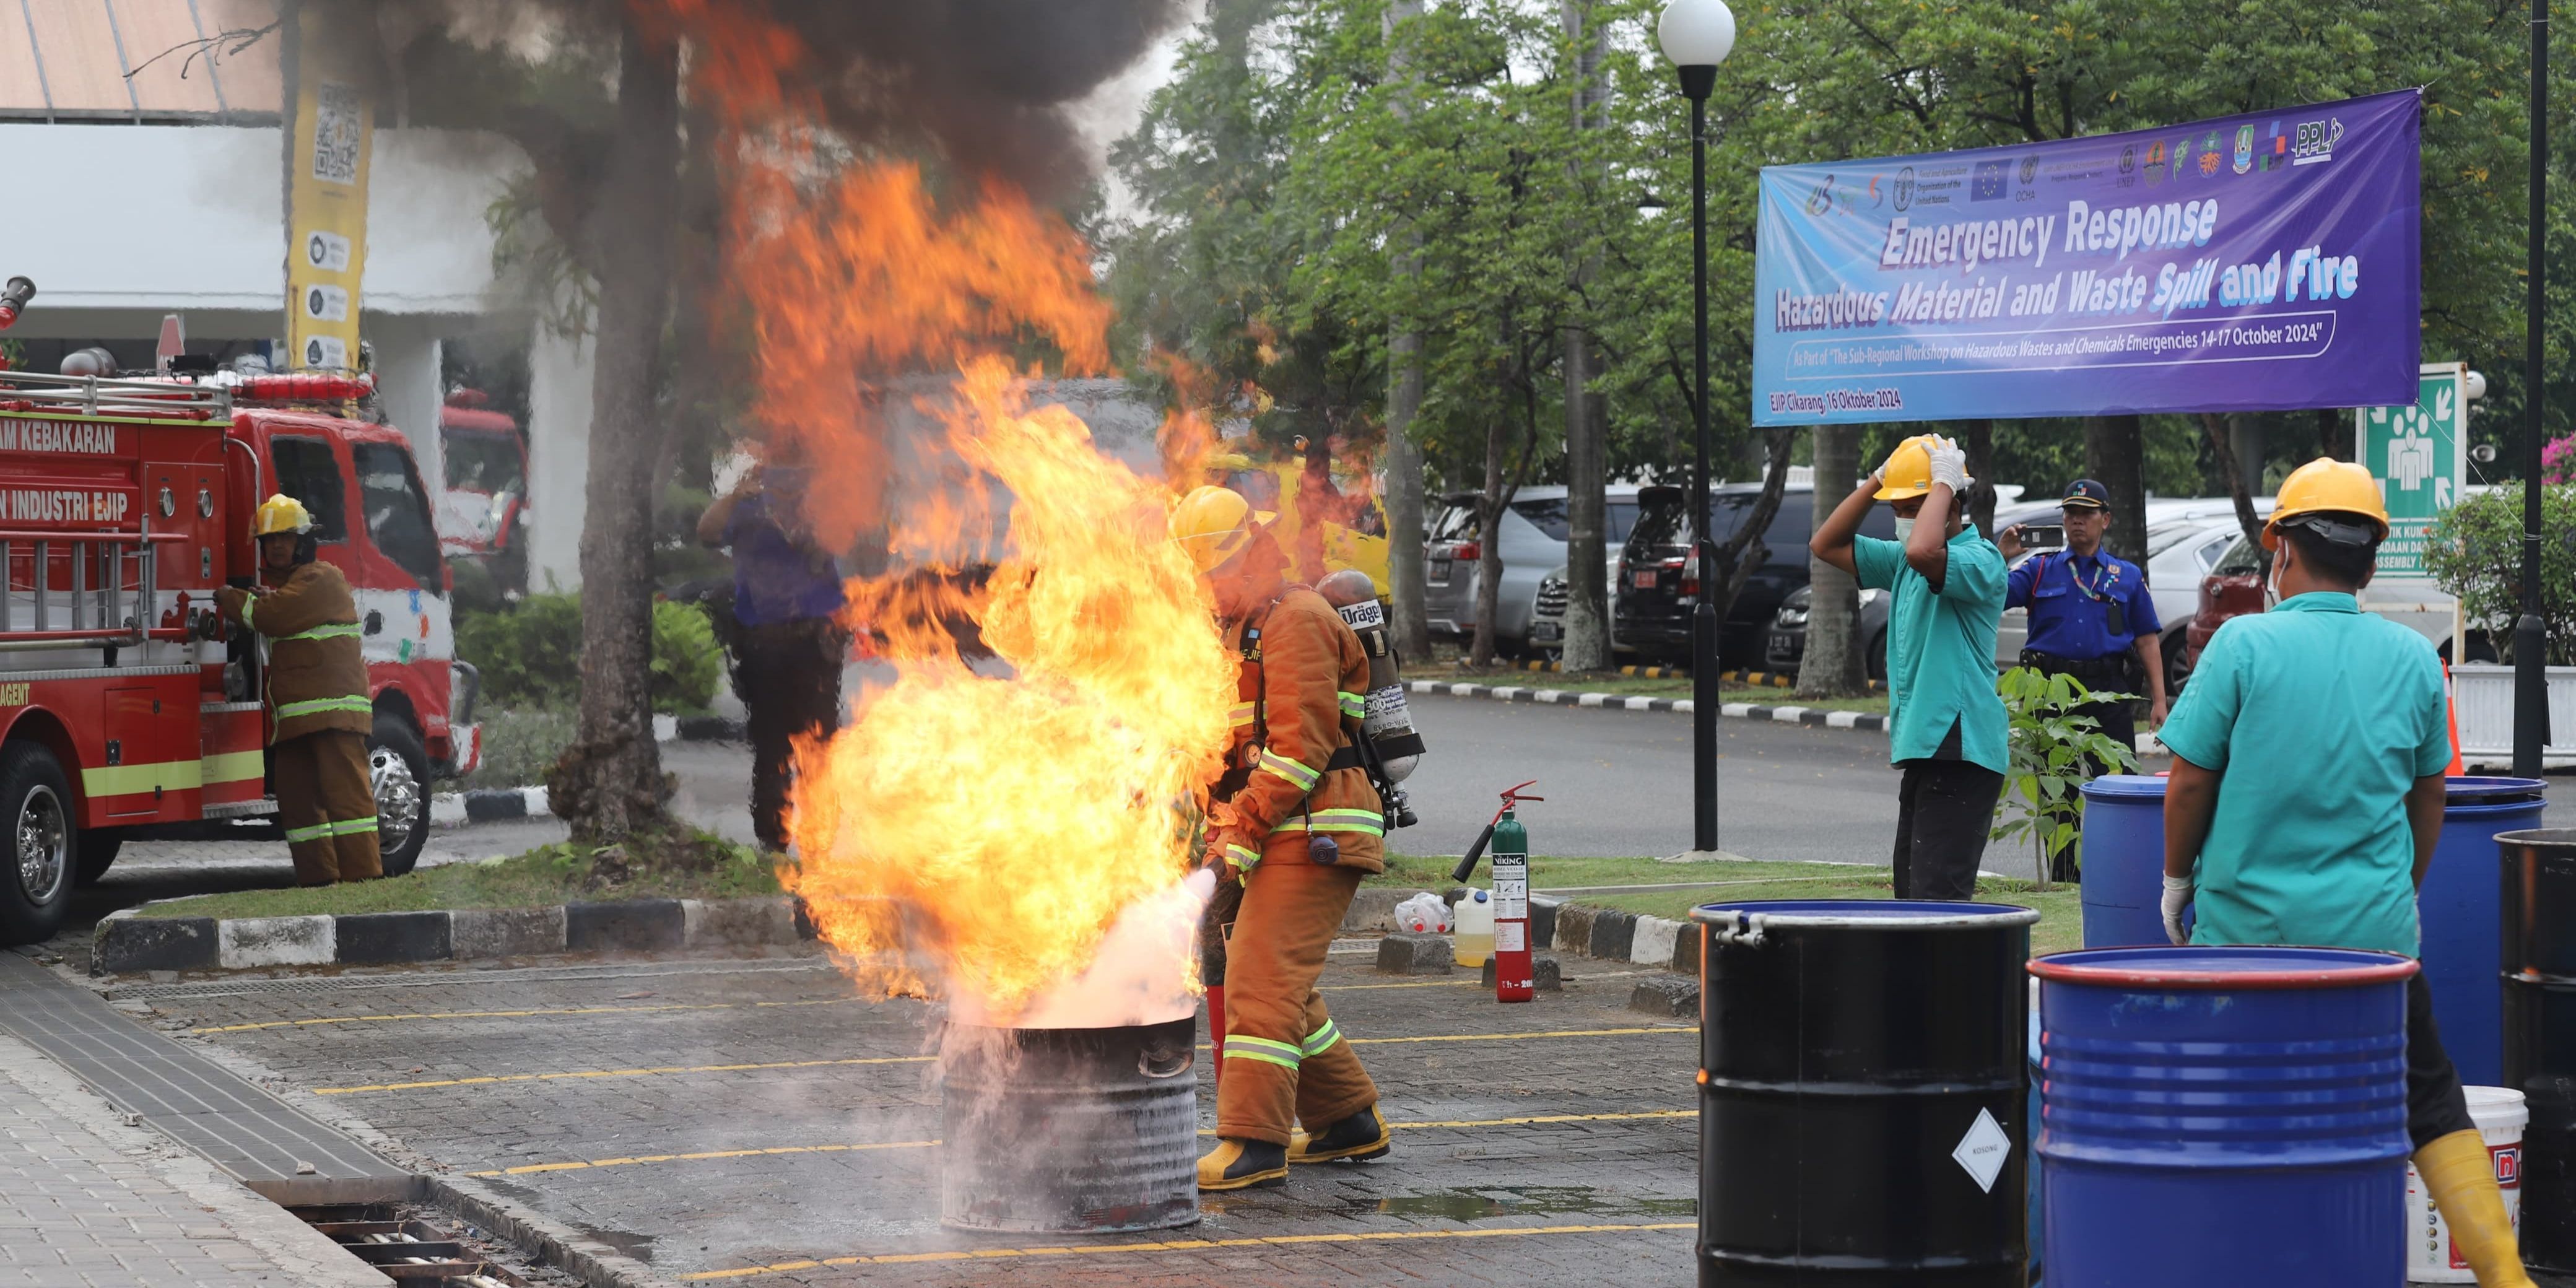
[(571, 1089), (94, 1202)]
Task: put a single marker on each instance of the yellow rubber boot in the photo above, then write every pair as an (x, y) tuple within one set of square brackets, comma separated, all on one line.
[(2460, 1176)]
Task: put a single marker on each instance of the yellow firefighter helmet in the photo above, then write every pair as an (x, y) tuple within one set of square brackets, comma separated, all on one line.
[(282, 514), (1213, 524), (1908, 471)]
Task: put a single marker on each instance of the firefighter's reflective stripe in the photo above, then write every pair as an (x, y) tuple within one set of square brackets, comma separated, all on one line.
[(1321, 1039), (1240, 715), (132, 780), (1354, 705), (1298, 775), (335, 631), (247, 606), (1239, 1047), (349, 827), (235, 766), (314, 706), (1244, 856), (1337, 820)]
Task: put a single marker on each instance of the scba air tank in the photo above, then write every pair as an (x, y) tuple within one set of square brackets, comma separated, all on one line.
[(1389, 722)]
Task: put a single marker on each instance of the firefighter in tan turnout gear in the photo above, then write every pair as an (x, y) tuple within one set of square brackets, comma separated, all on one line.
[(1296, 822), (317, 697)]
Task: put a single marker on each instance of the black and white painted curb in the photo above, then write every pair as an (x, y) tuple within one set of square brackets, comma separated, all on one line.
[(1620, 702), (125, 943), (487, 805)]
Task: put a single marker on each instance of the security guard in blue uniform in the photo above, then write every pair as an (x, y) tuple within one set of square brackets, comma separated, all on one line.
[(2092, 618)]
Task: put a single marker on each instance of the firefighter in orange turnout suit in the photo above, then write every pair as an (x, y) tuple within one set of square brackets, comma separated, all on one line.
[(1296, 821)]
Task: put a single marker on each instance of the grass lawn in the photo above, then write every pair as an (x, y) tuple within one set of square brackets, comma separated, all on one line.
[(2061, 909), (696, 866)]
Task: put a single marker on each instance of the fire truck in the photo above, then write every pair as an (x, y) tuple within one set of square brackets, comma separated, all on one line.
[(127, 707)]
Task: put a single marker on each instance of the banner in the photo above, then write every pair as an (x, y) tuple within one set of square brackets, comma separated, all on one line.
[(2419, 452), (326, 213), (2250, 263)]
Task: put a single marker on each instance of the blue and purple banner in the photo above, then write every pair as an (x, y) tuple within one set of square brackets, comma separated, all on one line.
[(2251, 263)]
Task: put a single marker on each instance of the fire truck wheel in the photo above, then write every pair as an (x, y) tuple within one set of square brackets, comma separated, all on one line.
[(398, 770), (98, 850), (36, 880)]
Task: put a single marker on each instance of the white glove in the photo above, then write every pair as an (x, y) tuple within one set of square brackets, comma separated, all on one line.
[(1950, 465), (2177, 898)]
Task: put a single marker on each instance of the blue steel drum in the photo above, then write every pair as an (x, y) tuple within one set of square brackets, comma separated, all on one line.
[(2224, 1115), (2124, 860), (2461, 910)]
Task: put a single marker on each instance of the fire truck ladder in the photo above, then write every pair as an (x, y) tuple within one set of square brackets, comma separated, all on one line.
[(108, 581), (164, 397)]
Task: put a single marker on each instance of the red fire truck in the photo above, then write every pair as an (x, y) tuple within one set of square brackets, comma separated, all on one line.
[(126, 706)]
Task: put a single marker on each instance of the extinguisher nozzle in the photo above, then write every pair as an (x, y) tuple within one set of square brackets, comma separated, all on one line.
[(1467, 865)]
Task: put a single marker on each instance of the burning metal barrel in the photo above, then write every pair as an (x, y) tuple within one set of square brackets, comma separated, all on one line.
[(1069, 1131)]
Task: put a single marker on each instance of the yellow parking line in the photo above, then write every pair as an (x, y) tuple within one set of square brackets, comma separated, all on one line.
[(618, 1073), (526, 1169), (1185, 1245), (491, 1079), (514, 1015)]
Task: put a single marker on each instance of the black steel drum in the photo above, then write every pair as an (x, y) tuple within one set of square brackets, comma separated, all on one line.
[(1862, 1094), (1084, 1131), (2539, 966)]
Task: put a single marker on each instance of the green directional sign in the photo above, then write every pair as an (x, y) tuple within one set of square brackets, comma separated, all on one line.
[(2419, 454)]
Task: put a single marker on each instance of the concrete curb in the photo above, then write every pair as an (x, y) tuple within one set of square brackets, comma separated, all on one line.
[(595, 1263), (124, 943), (1618, 702), (487, 805)]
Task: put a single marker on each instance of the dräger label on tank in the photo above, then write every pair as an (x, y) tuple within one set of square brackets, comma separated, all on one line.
[(66, 505), (72, 437)]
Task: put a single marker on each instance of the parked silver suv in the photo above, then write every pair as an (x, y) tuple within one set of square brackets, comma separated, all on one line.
[(1533, 532)]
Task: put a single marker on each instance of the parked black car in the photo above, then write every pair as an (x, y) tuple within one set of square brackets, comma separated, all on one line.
[(1786, 644), (1659, 576)]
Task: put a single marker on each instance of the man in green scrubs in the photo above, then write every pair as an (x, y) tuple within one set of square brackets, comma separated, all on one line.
[(1946, 728), (2306, 798)]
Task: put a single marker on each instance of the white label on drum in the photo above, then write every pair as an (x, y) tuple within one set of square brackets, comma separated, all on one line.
[(1984, 1150)]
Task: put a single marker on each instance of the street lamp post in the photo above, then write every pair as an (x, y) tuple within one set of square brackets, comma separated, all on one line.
[(2530, 644), (1697, 35)]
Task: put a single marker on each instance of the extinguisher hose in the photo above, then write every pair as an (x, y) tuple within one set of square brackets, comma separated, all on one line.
[(1467, 865)]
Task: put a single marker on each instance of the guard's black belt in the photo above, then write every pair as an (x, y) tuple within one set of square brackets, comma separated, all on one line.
[(2115, 667)]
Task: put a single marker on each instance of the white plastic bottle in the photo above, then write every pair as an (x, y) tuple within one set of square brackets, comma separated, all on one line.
[(1474, 941)]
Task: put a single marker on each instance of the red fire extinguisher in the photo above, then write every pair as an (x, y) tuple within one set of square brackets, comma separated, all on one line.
[(1513, 972)]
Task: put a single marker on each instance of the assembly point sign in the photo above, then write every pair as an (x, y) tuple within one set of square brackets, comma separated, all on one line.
[(2251, 263)]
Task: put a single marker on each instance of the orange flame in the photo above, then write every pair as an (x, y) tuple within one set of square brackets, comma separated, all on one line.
[(967, 832)]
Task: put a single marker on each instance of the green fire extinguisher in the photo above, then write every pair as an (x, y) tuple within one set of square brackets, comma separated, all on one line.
[(1513, 969)]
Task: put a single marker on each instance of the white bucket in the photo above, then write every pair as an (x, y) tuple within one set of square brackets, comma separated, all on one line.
[(2430, 1258)]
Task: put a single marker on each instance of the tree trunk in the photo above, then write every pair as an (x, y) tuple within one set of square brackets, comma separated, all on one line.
[(2334, 433), (610, 784), (2115, 457), (2221, 444), (1489, 541), (1835, 664), (1404, 508), (1978, 438), (1587, 554)]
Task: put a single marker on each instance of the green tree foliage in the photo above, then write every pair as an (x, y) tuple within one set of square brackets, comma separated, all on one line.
[(2475, 552)]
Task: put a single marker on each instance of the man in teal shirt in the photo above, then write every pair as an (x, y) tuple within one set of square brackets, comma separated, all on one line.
[(2306, 798), (1946, 728)]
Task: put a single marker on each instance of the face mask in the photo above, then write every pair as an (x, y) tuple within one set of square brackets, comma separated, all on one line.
[(2272, 582), (1904, 526)]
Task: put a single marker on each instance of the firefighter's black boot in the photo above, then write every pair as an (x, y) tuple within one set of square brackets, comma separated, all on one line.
[(1243, 1164), (1360, 1137)]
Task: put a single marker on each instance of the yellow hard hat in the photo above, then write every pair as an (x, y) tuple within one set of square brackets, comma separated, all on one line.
[(1213, 524), (1908, 471), (2332, 487), (281, 514)]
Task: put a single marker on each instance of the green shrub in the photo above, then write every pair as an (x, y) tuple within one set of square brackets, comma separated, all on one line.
[(519, 746), (530, 654), (2475, 553), (687, 661)]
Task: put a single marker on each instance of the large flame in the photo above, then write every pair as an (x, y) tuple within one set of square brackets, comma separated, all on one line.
[(974, 830)]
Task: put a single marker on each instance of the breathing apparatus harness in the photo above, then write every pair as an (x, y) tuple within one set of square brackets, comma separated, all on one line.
[(1356, 752)]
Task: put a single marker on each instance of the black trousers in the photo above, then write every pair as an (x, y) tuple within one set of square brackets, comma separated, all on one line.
[(1944, 809), (789, 676), (2435, 1104)]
